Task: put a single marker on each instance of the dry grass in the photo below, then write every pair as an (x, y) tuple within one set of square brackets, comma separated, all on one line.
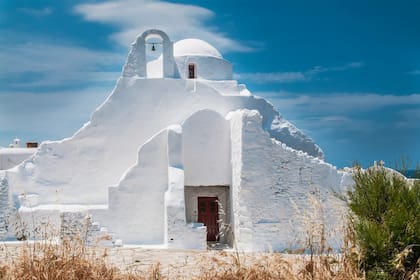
[(68, 261), (241, 266), (74, 261), (321, 263)]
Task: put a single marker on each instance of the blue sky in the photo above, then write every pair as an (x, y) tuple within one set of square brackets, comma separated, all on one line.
[(345, 72)]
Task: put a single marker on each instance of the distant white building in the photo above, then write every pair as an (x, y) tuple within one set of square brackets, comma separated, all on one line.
[(178, 154), (15, 154)]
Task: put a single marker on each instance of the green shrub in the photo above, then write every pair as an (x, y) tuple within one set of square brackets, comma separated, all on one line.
[(385, 210)]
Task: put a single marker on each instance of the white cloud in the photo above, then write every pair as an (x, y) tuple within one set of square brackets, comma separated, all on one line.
[(357, 64), (33, 102), (133, 17), (321, 69), (351, 65), (273, 77), (414, 72), (335, 122), (350, 112), (42, 63), (340, 102), (293, 77), (57, 114), (410, 114), (37, 12)]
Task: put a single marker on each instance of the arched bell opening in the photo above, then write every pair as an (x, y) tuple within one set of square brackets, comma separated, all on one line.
[(144, 48), (159, 40), (154, 56)]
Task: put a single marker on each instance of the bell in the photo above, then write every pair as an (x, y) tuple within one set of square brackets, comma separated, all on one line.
[(153, 47)]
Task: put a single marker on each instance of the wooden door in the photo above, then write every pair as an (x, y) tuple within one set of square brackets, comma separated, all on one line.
[(208, 214)]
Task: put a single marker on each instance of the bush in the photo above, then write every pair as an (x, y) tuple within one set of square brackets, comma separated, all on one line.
[(385, 211)]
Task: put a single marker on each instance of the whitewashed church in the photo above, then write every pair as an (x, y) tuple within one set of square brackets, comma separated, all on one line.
[(178, 155)]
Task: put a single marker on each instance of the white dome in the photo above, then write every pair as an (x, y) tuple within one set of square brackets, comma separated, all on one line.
[(195, 47)]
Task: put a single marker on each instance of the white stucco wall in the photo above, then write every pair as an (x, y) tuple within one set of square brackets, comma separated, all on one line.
[(206, 67), (271, 184), (147, 206), (136, 205), (4, 204), (206, 149), (10, 157), (101, 151), (239, 219), (179, 233)]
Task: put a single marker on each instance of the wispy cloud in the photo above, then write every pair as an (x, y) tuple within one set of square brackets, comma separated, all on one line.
[(414, 72), (49, 114), (42, 64), (354, 125), (340, 102), (410, 114), (293, 77), (273, 77), (132, 17), (37, 12), (49, 89), (348, 66), (364, 112)]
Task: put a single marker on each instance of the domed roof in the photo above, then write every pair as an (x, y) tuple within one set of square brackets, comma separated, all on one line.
[(195, 47)]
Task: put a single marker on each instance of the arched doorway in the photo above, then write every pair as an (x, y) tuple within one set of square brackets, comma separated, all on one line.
[(206, 153)]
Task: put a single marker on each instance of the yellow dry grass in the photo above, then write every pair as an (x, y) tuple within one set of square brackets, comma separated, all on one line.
[(73, 260)]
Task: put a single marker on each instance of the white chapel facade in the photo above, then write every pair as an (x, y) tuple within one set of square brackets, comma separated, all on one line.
[(179, 154)]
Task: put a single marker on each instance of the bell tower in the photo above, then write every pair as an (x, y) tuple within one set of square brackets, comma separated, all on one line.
[(136, 64)]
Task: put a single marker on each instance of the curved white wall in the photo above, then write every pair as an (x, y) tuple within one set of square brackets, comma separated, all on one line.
[(207, 67), (272, 186), (206, 149), (136, 205)]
